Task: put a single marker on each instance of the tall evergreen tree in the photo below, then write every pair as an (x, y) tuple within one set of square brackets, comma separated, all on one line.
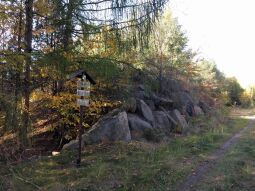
[(52, 28)]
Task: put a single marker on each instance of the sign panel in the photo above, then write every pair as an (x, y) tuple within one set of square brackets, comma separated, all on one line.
[(83, 102), (84, 93), (83, 84)]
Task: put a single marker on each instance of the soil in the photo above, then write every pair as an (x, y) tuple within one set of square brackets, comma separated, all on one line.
[(201, 171)]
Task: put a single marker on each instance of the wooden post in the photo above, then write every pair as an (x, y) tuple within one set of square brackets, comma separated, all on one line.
[(83, 91), (83, 102), (78, 162)]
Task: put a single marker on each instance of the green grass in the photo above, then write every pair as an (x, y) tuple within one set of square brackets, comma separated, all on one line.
[(237, 170), (135, 166)]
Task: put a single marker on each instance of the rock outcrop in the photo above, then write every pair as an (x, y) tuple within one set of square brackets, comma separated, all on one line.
[(146, 117), (110, 128), (145, 111), (72, 145), (182, 123), (162, 102), (162, 122), (198, 111), (205, 107), (138, 127)]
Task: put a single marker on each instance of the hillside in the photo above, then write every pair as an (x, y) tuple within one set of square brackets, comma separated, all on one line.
[(133, 166), (108, 95)]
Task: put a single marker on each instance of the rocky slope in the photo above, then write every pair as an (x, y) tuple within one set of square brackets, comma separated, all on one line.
[(147, 117)]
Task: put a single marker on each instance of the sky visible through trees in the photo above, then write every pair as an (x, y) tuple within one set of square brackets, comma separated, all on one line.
[(116, 41), (222, 31)]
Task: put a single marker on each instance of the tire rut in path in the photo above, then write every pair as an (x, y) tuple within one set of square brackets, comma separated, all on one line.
[(205, 166)]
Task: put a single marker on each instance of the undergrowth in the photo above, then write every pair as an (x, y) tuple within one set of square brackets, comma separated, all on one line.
[(133, 166)]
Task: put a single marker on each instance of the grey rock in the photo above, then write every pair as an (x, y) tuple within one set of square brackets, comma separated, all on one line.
[(145, 111), (189, 109), (109, 129), (140, 94), (198, 111), (159, 101), (168, 113), (138, 127), (151, 104), (72, 145), (184, 102), (141, 87), (171, 119), (205, 107), (182, 123), (186, 98), (162, 121)]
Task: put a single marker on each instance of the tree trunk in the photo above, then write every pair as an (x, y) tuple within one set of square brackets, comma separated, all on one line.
[(161, 71), (17, 75), (28, 50), (67, 38), (66, 41)]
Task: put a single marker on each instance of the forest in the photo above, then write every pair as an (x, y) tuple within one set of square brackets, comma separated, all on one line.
[(135, 54)]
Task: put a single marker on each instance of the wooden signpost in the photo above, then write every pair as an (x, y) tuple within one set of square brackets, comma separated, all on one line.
[(83, 91)]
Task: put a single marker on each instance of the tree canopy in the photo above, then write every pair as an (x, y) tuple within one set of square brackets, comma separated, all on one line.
[(41, 41)]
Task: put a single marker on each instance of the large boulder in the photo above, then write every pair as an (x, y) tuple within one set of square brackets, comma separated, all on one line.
[(162, 122), (182, 123), (186, 97), (189, 109), (205, 107), (109, 129), (171, 119), (162, 102), (72, 145), (141, 87), (140, 92), (184, 102), (138, 127), (168, 114), (198, 111), (151, 104), (145, 111)]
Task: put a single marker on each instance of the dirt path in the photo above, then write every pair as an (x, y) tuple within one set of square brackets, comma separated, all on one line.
[(201, 171)]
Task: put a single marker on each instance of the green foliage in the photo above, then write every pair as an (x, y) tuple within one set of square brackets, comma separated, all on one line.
[(73, 35), (11, 115), (136, 166), (234, 91), (64, 40), (235, 169), (167, 55), (247, 98)]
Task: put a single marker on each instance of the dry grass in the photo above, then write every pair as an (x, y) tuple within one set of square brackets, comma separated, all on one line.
[(240, 112)]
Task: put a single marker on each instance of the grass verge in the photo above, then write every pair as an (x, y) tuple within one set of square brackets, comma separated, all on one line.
[(236, 171), (136, 166)]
